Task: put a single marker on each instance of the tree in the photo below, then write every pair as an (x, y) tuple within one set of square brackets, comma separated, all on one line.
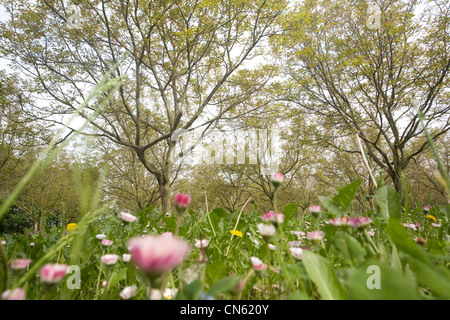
[(354, 77), (131, 186), (54, 194), (182, 58), (19, 140), (20, 144)]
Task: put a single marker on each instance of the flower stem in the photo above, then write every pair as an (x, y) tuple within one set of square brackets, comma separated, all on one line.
[(275, 195), (98, 282), (237, 222), (209, 218), (244, 281), (172, 282), (371, 241)]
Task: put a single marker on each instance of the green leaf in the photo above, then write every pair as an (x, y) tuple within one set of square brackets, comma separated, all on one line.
[(376, 280), (290, 211), (224, 285), (171, 223), (400, 238), (220, 212), (116, 277), (191, 291), (389, 202), (144, 212), (217, 216), (330, 232), (348, 245), (290, 271), (215, 270), (332, 207), (347, 194), (437, 279), (322, 274)]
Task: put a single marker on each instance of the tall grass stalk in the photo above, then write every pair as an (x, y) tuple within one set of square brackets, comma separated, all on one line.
[(235, 226)]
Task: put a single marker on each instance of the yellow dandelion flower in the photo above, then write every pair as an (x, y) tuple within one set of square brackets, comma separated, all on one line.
[(71, 226), (236, 233), (431, 217)]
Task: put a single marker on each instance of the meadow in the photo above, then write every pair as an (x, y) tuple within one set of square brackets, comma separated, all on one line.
[(328, 252)]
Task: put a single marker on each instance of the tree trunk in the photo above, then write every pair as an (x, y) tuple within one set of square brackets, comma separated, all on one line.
[(164, 190), (398, 184), (164, 179)]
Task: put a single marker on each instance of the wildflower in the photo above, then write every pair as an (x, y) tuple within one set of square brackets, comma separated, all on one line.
[(104, 284), (266, 230), (71, 226), (410, 225), (236, 233), (315, 211), (107, 242), (109, 259), (277, 179), (182, 201), (53, 273), (360, 222), (154, 294), (271, 216), (294, 243), (429, 216), (355, 222), (126, 257), (128, 292), (315, 235), (127, 217), (101, 236), (14, 294), (371, 233), (170, 293), (271, 246), (203, 243), (155, 255), (436, 225), (3, 242), (20, 264), (426, 208), (32, 244), (298, 233), (297, 253), (342, 222), (258, 265)]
